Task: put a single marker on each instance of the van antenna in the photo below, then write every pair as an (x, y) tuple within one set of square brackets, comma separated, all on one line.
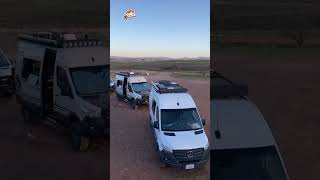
[(217, 132)]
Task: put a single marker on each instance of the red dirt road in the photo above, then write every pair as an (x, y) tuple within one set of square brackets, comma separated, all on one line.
[(38, 152), (132, 151)]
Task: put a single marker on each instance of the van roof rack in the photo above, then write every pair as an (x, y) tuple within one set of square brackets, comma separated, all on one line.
[(59, 40), (221, 87), (165, 86), (129, 74)]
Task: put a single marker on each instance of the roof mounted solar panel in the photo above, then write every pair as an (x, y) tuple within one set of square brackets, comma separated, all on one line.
[(129, 74), (169, 87)]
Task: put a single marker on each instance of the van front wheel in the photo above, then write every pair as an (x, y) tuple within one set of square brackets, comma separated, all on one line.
[(134, 105), (78, 141), (26, 115), (118, 97)]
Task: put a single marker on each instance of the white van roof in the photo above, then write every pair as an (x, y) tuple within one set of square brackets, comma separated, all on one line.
[(85, 56), (175, 101), (240, 123), (137, 79)]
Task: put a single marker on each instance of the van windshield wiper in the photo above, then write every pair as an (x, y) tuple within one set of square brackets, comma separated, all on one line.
[(92, 93)]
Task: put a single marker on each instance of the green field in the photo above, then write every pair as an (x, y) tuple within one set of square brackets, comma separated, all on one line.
[(190, 69), (168, 65)]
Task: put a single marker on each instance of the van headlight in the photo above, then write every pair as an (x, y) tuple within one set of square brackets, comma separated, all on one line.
[(206, 146), (89, 112), (166, 148), (85, 109)]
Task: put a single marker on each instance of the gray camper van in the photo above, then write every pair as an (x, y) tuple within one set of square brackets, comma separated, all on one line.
[(242, 145), (66, 80), (6, 74)]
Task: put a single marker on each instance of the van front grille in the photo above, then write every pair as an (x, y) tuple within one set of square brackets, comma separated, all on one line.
[(190, 155)]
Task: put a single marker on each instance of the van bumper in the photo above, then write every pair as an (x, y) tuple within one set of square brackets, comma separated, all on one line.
[(143, 101), (169, 158), (95, 127), (6, 82)]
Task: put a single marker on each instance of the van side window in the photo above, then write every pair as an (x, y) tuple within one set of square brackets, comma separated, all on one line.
[(119, 83), (62, 80), (153, 106), (30, 66), (130, 88), (157, 114)]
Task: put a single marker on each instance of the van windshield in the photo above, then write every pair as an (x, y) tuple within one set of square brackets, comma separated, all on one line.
[(180, 119), (90, 80), (262, 163), (139, 87)]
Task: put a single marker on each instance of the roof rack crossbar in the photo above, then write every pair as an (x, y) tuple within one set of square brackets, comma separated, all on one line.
[(60, 42)]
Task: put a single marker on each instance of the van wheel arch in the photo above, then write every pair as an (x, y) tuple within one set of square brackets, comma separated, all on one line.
[(78, 141)]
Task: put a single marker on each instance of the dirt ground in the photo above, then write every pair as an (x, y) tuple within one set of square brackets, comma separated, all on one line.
[(284, 83), (34, 151), (132, 152)]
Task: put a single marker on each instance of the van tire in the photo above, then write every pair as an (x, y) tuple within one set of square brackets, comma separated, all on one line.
[(26, 115), (78, 141), (11, 89), (161, 164), (134, 105)]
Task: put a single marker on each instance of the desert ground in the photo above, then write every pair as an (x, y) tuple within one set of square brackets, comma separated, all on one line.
[(283, 82), (132, 152), (37, 151)]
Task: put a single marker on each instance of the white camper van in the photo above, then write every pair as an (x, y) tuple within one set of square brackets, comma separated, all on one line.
[(65, 80), (242, 145), (177, 128), (6, 74), (132, 87)]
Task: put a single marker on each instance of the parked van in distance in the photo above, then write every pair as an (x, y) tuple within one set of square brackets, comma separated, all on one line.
[(6, 74), (132, 87), (66, 80), (176, 125)]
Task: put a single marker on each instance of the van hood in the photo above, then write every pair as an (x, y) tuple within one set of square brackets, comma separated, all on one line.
[(5, 71), (185, 140), (144, 93), (98, 100)]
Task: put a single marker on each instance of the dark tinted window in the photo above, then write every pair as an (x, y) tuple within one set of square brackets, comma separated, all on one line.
[(119, 83), (62, 79), (90, 80), (3, 61), (157, 114), (153, 106), (139, 87), (180, 119), (129, 88), (261, 163), (30, 66)]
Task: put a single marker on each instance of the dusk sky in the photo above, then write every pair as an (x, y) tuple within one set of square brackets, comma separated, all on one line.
[(166, 28)]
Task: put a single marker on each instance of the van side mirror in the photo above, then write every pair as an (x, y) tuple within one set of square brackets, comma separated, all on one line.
[(203, 122), (156, 124)]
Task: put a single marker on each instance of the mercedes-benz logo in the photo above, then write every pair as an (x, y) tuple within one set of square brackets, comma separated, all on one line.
[(189, 154)]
